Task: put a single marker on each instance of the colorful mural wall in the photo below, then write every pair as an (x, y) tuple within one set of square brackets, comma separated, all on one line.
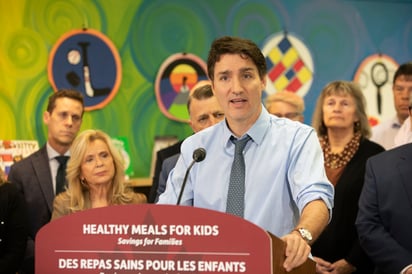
[(338, 34)]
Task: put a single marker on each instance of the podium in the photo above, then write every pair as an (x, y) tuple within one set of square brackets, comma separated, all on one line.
[(163, 239)]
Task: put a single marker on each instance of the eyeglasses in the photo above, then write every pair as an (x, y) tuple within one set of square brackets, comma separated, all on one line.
[(289, 115)]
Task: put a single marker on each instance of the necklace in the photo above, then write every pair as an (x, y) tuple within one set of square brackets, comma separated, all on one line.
[(337, 160)]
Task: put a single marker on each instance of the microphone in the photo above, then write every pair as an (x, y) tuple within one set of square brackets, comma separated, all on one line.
[(198, 155)]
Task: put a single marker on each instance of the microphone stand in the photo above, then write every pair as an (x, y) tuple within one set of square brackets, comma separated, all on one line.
[(198, 156), (184, 182)]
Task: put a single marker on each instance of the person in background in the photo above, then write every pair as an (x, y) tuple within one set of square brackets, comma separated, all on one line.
[(204, 111), (342, 125), (404, 135), (286, 191), (165, 153), (161, 156), (35, 176), (13, 227), (286, 104), (95, 175), (384, 219), (384, 133)]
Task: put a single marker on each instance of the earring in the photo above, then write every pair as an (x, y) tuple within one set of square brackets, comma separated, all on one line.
[(357, 126)]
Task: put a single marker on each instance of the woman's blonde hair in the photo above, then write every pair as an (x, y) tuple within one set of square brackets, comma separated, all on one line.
[(77, 190), (342, 88)]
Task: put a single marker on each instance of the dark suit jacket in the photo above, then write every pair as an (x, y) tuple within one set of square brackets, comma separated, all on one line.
[(32, 176), (168, 165), (13, 228), (384, 220), (161, 155), (339, 240)]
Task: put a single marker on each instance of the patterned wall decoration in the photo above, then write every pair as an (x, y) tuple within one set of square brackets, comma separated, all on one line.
[(339, 34), (290, 64), (178, 74), (374, 75), (87, 61)]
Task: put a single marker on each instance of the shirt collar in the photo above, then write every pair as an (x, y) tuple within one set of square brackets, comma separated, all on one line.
[(395, 123), (256, 132), (53, 153)]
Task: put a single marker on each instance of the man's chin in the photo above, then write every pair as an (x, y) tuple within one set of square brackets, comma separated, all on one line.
[(405, 114), (67, 141)]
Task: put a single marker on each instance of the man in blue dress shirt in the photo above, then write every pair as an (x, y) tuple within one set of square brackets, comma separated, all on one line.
[(286, 190)]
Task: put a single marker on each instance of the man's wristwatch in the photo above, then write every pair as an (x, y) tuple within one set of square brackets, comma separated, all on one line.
[(306, 235)]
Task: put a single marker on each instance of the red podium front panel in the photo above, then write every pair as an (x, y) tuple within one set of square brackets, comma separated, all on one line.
[(152, 239)]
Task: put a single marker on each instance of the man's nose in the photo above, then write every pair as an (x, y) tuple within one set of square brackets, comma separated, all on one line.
[(69, 120), (236, 84), (406, 95)]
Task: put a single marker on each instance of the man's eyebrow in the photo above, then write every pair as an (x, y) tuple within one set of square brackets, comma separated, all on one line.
[(202, 116), (247, 69), (224, 72)]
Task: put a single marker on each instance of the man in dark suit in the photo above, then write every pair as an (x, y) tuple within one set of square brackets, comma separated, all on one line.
[(385, 211), (35, 175), (161, 156)]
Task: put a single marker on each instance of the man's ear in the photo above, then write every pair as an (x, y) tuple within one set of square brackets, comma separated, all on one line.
[(263, 80), (46, 117)]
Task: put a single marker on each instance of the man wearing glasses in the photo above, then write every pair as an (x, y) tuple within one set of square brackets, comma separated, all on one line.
[(286, 104), (385, 132)]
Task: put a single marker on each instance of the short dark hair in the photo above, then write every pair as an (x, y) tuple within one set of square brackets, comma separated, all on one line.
[(235, 45), (201, 93), (404, 70), (64, 93)]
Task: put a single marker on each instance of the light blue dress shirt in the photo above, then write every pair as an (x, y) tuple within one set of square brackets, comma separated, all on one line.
[(284, 172)]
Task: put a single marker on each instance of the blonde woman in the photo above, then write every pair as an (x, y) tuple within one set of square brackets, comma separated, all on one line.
[(95, 175)]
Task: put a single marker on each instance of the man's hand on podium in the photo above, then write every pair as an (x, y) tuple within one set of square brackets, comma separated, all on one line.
[(297, 250)]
